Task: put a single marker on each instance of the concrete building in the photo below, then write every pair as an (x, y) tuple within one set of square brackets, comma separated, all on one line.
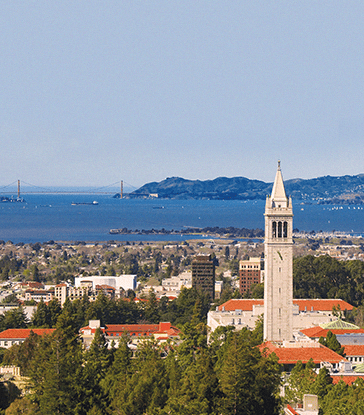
[(176, 283), (64, 291), (250, 272), (306, 313), (122, 282), (39, 295), (203, 274), (278, 253), (10, 337), (162, 332)]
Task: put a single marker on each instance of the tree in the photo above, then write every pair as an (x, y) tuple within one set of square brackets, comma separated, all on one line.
[(92, 396), (198, 390), (146, 389), (332, 343), (13, 319), (118, 374), (248, 380), (300, 381), (322, 384), (55, 373), (22, 406), (41, 318), (22, 354), (152, 314)]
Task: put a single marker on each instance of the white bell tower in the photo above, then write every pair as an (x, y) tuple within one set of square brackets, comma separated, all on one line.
[(278, 273)]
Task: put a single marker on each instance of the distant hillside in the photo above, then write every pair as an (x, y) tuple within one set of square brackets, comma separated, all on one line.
[(344, 189)]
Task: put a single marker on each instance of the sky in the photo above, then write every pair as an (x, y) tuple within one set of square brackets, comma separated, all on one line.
[(94, 92)]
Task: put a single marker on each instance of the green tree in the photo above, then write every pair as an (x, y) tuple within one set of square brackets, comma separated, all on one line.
[(152, 314), (300, 382), (198, 390), (248, 380), (22, 406), (92, 396), (22, 354), (13, 319), (146, 389), (332, 343), (118, 373), (41, 317), (55, 373)]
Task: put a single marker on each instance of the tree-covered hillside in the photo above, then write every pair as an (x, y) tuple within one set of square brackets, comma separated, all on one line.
[(344, 188)]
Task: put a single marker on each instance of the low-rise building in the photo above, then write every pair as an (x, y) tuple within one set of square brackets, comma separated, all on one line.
[(122, 282), (10, 337), (39, 295), (289, 353), (113, 332), (245, 313)]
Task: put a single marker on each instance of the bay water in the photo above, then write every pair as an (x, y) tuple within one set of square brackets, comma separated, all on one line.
[(45, 217)]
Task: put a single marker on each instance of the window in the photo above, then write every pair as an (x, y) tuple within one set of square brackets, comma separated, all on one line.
[(285, 228), (279, 229), (274, 229)]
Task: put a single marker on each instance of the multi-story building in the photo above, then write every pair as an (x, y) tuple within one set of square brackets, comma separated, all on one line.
[(39, 295), (203, 274), (63, 291), (122, 282), (250, 272)]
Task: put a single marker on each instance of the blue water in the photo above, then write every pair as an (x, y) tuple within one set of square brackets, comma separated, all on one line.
[(46, 217)]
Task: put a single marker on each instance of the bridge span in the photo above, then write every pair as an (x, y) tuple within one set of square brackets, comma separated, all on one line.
[(41, 190)]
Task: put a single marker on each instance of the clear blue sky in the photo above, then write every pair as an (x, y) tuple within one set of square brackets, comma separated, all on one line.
[(92, 92)]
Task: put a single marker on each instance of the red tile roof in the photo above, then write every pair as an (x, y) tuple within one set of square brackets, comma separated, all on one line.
[(142, 329), (291, 355), (303, 304), (354, 349), (322, 304), (317, 332), (23, 333), (243, 305), (348, 379), (291, 410)]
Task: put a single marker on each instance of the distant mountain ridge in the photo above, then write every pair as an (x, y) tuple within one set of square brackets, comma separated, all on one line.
[(345, 188)]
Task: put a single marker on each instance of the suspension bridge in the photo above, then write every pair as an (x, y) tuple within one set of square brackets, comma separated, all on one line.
[(17, 187)]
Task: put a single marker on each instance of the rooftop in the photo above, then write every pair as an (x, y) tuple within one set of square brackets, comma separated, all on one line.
[(303, 304), (304, 352)]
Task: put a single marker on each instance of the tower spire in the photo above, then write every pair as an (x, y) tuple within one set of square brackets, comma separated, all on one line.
[(278, 192)]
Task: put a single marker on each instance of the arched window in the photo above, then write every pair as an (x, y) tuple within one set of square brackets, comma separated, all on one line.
[(279, 229), (285, 229), (274, 229)]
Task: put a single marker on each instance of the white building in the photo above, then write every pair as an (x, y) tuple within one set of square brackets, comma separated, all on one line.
[(125, 281), (305, 313)]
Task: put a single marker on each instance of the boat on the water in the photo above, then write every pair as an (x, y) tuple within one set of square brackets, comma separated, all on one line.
[(85, 203)]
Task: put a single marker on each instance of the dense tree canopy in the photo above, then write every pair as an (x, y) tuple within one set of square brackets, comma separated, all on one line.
[(227, 376), (326, 277)]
